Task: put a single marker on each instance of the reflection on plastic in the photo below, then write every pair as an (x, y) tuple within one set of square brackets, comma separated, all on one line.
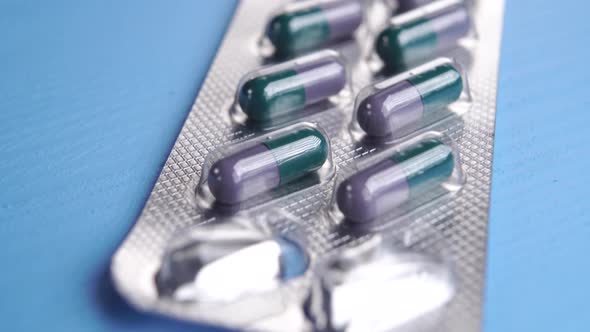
[(224, 263), (378, 287)]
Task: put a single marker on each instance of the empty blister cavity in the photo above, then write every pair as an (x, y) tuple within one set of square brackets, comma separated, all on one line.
[(223, 263), (238, 266), (383, 285), (422, 34), (286, 90), (398, 181), (275, 165), (412, 100), (311, 25)]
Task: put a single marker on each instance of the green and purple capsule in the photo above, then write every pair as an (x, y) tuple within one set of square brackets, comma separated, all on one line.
[(291, 86), (385, 185), (268, 165), (422, 33), (390, 106), (312, 25)]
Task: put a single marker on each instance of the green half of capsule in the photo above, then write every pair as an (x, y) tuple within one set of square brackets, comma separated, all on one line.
[(413, 38), (311, 27), (299, 153), (290, 87), (438, 87), (266, 97), (428, 163)]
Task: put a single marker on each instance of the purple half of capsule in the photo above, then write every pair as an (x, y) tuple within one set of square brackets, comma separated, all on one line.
[(244, 174), (450, 25), (367, 194), (343, 17), (390, 110), (321, 79)]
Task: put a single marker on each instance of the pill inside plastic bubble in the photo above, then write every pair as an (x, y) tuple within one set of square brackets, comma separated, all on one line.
[(225, 287), (390, 182), (394, 184), (286, 90), (225, 262), (380, 286), (307, 25), (422, 33), (265, 168), (398, 106)]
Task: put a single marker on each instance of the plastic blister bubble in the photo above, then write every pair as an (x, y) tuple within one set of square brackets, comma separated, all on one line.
[(270, 167), (286, 92), (310, 25), (421, 34), (397, 182), (158, 266), (390, 109)]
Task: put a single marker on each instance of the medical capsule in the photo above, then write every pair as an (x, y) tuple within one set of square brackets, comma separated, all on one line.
[(385, 185), (290, 87), (421, 33), (396, 103), (267, 165), (312, 25)]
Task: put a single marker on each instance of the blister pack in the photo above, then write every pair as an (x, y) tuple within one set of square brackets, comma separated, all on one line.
[(333, 174)]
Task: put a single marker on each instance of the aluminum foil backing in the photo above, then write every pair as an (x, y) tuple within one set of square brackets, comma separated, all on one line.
[(171, 206)]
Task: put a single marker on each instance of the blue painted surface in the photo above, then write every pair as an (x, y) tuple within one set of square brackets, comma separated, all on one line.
[(92, 96), (539, 233)]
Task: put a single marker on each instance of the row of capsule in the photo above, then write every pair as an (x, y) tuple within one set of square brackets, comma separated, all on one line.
[(357, 288), (383, 111), (389, 108), (383, 187), (252, 173), (423, 28)]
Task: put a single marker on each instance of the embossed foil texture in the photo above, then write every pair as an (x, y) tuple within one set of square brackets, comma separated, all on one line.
[(173, 210)]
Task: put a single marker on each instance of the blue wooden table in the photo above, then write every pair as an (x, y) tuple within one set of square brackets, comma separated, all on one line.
[(93, 94)]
